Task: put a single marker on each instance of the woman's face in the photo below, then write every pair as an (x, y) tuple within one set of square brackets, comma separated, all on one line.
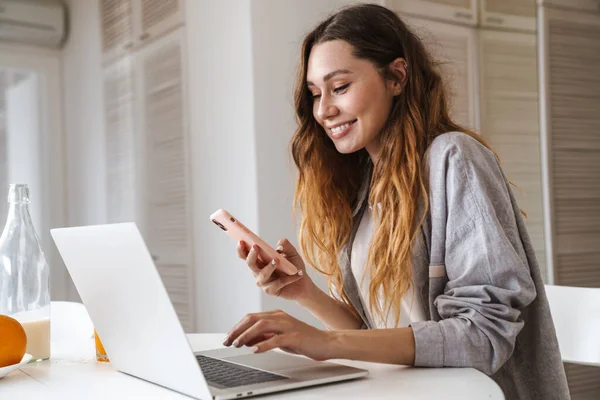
[(352, 100)]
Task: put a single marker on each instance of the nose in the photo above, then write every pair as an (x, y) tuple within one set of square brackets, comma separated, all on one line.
[(326, 109)]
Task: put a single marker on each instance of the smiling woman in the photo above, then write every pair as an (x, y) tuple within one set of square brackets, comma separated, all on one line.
[(410, 217)]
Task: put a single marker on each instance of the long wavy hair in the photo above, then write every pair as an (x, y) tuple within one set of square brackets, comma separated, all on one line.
[(329, 182)]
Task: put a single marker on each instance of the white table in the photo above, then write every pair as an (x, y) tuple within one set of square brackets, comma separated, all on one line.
[(74, 374)]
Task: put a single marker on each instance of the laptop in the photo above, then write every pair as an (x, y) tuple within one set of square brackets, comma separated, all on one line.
[(116, 278)]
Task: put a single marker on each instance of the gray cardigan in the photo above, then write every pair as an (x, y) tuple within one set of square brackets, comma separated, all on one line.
[(476, 271)]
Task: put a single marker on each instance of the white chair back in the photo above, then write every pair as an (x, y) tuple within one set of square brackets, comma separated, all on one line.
[(576, 315)]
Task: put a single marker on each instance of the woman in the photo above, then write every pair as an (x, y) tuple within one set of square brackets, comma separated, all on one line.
[(441, 273)]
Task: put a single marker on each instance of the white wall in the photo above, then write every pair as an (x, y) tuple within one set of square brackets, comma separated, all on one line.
[(223, 155), (84, 124)]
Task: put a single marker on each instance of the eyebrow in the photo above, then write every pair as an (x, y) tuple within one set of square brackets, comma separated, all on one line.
[(331, 75)]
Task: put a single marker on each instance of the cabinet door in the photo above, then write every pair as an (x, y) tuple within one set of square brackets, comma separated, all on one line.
[(454, 47), (582, 5), (116, 27), (570, 47), (122, 202), (570, 50), (158, 17), (509, 109), (168, 218), (508, 14), (4, 80), (457, 11)]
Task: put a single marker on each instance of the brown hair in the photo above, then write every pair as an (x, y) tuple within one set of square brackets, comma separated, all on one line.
[(328, 182)]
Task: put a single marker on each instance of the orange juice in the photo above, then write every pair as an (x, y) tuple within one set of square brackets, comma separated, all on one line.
[(100, 352)]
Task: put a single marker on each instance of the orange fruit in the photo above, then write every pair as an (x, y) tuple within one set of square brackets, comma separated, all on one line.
[(13, 341)]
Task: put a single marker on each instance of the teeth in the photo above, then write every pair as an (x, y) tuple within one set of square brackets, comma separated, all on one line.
[(339, 129)]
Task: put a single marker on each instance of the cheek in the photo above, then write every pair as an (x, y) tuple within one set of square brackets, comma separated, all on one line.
[(368, 104), (379, 110)]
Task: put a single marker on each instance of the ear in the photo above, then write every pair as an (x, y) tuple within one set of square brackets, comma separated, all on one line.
[(399, 70)]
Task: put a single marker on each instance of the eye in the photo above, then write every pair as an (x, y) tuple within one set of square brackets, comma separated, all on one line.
[(341, 89), (316, 96)]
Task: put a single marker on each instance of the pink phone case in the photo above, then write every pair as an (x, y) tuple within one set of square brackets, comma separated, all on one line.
[(237, 231)]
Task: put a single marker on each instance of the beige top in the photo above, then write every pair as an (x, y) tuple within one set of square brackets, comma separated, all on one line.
[(411, 308)]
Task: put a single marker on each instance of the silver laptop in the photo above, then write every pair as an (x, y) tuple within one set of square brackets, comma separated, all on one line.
[(131, 310)]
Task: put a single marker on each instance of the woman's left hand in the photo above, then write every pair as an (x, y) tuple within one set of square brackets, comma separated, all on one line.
[(276, 329)]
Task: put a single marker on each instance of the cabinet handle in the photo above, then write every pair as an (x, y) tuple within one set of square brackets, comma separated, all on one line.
[(144, 36), (495, 20), (463, 15)]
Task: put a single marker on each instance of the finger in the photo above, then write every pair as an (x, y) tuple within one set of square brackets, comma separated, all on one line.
[(266, 274), (243, 325), (258, 329), (285, 247), (242, 250), (260, 338), (277, 341), (253, 262), (274, 288)]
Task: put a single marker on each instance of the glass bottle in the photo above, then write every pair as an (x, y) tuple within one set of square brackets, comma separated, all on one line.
[(24, 275)]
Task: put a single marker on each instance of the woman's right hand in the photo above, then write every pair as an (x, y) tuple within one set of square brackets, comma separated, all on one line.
[(271, 280)]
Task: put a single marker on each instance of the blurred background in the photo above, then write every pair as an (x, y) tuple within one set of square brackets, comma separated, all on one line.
[(162, 111)]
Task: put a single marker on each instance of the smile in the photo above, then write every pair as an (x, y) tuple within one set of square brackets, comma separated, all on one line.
[(341, 130)]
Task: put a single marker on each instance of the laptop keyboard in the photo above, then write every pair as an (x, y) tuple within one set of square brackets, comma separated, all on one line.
[(223, 374)]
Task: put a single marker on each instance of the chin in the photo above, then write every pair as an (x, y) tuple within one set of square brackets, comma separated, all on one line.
[(346, 147)]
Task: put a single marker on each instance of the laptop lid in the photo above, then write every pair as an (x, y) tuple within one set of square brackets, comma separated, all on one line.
[(113, 272)]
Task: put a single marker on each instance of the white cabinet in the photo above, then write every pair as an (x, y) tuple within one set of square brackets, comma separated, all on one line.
[(129, 24), (4, 82), (508, 14), (147, 160), (122, 201), (582, 5), (456, 11), (509, 109), (116, 26), (167, 220), (570, 52), (157, 17), (454, 47), (3, 164)]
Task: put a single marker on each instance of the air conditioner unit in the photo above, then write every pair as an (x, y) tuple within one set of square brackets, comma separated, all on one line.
[(34, 22)]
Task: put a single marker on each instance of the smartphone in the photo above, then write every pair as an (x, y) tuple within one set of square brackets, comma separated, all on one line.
[(237, 231)]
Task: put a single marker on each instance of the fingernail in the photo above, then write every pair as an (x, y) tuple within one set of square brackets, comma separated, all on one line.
[(226, 342), (274, 261), (279, 249), (254, 349), (300, 272), (236, 343)]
